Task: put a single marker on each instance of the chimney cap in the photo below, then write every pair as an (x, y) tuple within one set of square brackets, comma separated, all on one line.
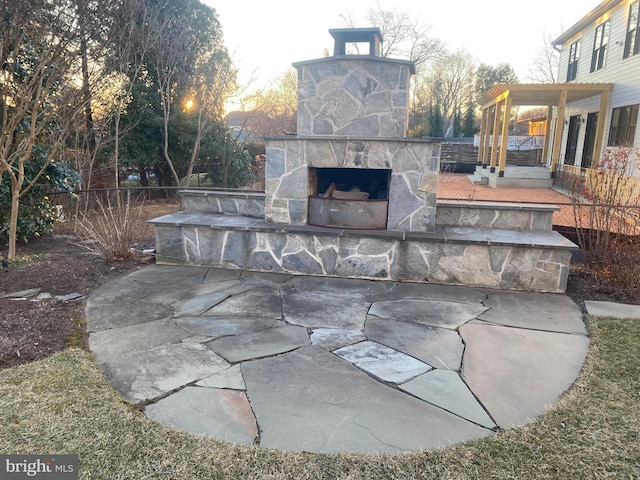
[(342, 36)]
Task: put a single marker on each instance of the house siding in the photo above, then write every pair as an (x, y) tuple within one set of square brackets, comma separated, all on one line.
[(623, 73)]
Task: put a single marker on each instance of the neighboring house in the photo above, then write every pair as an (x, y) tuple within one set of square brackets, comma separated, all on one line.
[(241, 125), (596, 106), (534, 125)]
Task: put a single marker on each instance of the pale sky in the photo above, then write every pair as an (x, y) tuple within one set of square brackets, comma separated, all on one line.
[(266, 37)]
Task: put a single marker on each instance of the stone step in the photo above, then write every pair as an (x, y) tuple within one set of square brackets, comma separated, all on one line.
[(527, 172), (520, 182), (478, 179), (519, 177)]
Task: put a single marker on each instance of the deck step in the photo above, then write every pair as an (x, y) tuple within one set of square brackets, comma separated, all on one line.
[(477, 179), (515, 177)]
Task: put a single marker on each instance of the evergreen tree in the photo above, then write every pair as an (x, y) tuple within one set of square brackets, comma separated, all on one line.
[(457, 122), (436, 125), (468, 129)]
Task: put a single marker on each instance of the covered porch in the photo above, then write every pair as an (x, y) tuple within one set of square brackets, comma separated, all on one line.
[(496, 106)]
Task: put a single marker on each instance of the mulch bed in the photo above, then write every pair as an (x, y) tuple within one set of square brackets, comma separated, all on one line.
[(31, 330)]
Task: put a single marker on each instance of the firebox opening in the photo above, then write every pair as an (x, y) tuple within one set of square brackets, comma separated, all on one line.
[(356, 198), (349, 183)]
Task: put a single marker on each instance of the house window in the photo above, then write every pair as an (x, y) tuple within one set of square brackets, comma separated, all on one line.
[(600, 43), (632, 40), (574, 56), (623, 126)]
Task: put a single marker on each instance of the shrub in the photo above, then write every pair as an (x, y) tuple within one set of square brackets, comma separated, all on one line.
[(111, 227), (37, 213), (606, 211)]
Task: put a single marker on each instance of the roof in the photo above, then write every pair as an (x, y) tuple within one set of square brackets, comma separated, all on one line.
[(533, 119), (541, 93), (600, 10), (238, 117)]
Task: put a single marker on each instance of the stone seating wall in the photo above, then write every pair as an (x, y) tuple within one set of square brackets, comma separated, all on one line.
[(506, 215), (245, 203), (468, 247)]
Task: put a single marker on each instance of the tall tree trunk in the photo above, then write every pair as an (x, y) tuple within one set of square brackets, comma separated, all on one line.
[(196, 148), (13, 222), (86, 97), (17, 180)]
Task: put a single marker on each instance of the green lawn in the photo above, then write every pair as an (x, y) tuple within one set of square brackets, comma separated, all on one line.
[(62, 405)]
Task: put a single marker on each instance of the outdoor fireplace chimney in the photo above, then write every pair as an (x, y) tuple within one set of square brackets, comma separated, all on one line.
[(352, 116), (342, 36)]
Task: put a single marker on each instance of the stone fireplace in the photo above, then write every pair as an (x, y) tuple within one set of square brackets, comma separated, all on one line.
[(350, 164), (350, 196)]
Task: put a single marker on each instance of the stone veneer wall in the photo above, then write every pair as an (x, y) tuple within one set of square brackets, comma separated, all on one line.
[(353, 95), (414, 164), (504, 215), (229, 202), (476, 258)]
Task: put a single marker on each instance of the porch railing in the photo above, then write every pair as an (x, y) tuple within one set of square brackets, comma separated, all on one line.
[(516, 142), (598, 184), (603, 201)]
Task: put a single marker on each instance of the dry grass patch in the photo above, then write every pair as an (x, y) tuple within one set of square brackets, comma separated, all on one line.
[(63, 405)]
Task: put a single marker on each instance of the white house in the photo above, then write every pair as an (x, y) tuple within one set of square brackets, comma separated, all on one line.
[(603, 47), (595, 105)]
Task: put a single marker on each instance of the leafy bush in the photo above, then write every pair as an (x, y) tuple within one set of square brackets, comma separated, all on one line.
[(37, 213), (228, 162)]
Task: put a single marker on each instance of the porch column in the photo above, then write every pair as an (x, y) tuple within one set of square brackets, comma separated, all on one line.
[(487, 137), (547, 134), (597, 148), (506, 119), (483, 135), (496, 127), (557, 133), (481, 139)]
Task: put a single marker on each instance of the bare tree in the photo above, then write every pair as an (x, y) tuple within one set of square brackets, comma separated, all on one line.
[(184, 31), (39, 101), (448, 84), (544, 66), (403, 35), (273, 110), (213, 82), (132, 40), (487, 76), (123, 30)]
